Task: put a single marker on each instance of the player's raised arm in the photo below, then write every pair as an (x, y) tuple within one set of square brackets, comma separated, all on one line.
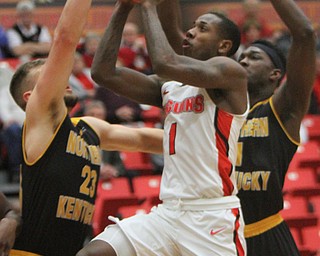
[(170, 16), (292, 99), (124, 81), (50, 88), (39, 87)]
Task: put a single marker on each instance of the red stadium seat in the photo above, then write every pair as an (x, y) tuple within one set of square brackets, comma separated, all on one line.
[(295, 213), (307, 192), (301, 182), (303, 249), (138, 162), (148, 188), (128, 211), (114, 187), (307, 155), (315, 202), (294, 206), (312, 123), (110, 197), (311, 239), (296, 178), (299, 219)]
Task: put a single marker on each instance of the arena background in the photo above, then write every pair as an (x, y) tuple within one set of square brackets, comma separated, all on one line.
[(48, 12)]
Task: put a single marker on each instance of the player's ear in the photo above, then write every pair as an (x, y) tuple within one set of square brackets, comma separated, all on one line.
[(275, 75), (26, 96), (224, 47)]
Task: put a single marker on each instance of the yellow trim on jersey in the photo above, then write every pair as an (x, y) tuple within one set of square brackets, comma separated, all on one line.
[(281, 124), (75, 120), (22, 253), (23, 142), (262, 226), (258, 104)]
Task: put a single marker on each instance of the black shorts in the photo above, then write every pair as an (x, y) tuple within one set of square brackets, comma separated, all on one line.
[(277, 241)]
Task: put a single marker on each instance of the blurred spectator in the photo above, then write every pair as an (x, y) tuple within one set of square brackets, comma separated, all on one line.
[(26, 38), (90, 45), (81, 84), (133, 51), (283, 40), (251, 31), (12, 118), (96, 109), (251, 25), (80, 79), (120, 109), (4, 50), (251, 19), (111, 165)]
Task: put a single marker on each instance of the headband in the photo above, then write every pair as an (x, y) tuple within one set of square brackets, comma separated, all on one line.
[(273, 55)]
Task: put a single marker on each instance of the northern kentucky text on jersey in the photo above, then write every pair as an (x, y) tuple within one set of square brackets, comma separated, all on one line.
[(192, 104), (78, 146), (254, 181), (75, 209), (255, 127)]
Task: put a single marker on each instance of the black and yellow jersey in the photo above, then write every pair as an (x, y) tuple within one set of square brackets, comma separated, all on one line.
[(58, 192), (264, 154)]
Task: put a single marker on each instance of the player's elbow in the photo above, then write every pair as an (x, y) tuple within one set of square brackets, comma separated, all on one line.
[(159, 69), (164, 64), (103, 77), (162, 69), (307, 34), (96, 75)]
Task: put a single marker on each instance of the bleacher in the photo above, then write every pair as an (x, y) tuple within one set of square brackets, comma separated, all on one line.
[(302, 191), (123, 197)]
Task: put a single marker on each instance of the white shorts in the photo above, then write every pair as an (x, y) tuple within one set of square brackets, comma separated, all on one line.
[(170, 230)]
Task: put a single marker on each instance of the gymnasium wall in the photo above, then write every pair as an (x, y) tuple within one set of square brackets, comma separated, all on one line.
[(100, 13)]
